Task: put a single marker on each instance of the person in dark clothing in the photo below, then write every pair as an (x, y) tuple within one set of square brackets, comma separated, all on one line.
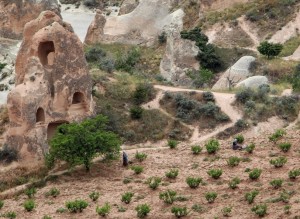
[(125, 159), (235, 145)]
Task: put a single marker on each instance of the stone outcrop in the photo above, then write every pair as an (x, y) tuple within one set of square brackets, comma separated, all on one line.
[(53, 85), (253, 82), (14, 14), (95, 31), (128, 6), (235, 74)]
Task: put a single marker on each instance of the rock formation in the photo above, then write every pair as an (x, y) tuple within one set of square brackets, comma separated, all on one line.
[(128, 6), (14, 14), (253, 82), (95, 30), (235, 74), (53, 85)]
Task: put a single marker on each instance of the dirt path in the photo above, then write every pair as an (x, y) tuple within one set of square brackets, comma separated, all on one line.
[(249, 30)]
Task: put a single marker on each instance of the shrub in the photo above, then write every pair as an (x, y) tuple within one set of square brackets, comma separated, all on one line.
[(233, 161), (208, 96), (172, 174), (168, 196), (260, 210), (142, 210), (250, 148), (250, 196), (278, 162), (94, 196), (162, 38), (1, 204), (76, 206), (61, 210), (196, 149), (287, 209), (179, 211), (47, 217), (8, 155), (104, 210), (234, 182), (269, 49), (211, 196), (276, 183), (193, 182), (136, 112), (29, 205), (226, 211), (140, 156), (143, 93), (172, 143), (127, 61), (285, 147), (153, 182), (10, 215), (279, 133), (54, 192), (293, 174), (244, 95), (239, 138), (30, 192), (215, 173), (137, 169), (126, 197), (255, 173), (197, 208), (212, 146)]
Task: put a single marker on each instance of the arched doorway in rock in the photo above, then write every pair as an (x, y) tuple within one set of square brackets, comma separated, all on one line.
[(40, 115), (46, 52), (52, 127), (78, 97)]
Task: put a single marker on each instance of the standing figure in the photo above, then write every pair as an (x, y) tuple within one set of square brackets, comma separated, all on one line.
[(125, 159)]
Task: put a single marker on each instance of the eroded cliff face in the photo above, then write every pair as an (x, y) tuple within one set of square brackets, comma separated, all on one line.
[(14, 14), (53, 85)]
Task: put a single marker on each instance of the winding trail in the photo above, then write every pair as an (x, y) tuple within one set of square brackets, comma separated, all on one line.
[(248, 30)]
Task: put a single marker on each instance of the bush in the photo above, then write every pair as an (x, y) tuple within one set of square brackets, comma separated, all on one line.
[(179, 211), (144, 92), (233, 161), (94, 196), (104, 210), (244, 95), (126, 197), (250, 148), (276, 183), (208, 96), (61, 210), (226, 211), (250, 196), (1, 204), (269, 49), (8, 155), (215, 173), (278, 162), (196, 149), (255, 173), (287, 209), (193, 182), (127, 61), (137, 169), (234, 182), (30, 192), (168, 196), (54, 192), (212, 146), (172, 143), (172, 174), (293, 174), (211, 196), (76, 206), (260, 210), (279, 133), (142, 210), (285, 147), (153, 182), (10, 215), (239, 138), (47, 217), (136, 112), (29, 205), (140, 156), (162, 38)]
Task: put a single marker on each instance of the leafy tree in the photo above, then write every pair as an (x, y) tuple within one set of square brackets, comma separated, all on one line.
[(79, 143), (269, 49)]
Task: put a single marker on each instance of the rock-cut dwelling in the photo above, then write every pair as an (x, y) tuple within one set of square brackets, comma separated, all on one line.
[(53, 85)]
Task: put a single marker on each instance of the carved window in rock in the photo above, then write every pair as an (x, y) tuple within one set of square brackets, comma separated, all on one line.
[(40, 115), (46, 53), (52, 127), (78, 97)]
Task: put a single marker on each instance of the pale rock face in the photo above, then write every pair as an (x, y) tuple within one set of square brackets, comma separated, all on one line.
[(128, 6), (53, 85), (236, 73), (253, 82), (95, 30), (14, 14)]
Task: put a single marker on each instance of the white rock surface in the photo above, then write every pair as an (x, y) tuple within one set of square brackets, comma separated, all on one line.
[(253, 82)]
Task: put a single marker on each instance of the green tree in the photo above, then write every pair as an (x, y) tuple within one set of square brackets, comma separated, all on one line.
[(269, 49), (79, 143), (295, 80)]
